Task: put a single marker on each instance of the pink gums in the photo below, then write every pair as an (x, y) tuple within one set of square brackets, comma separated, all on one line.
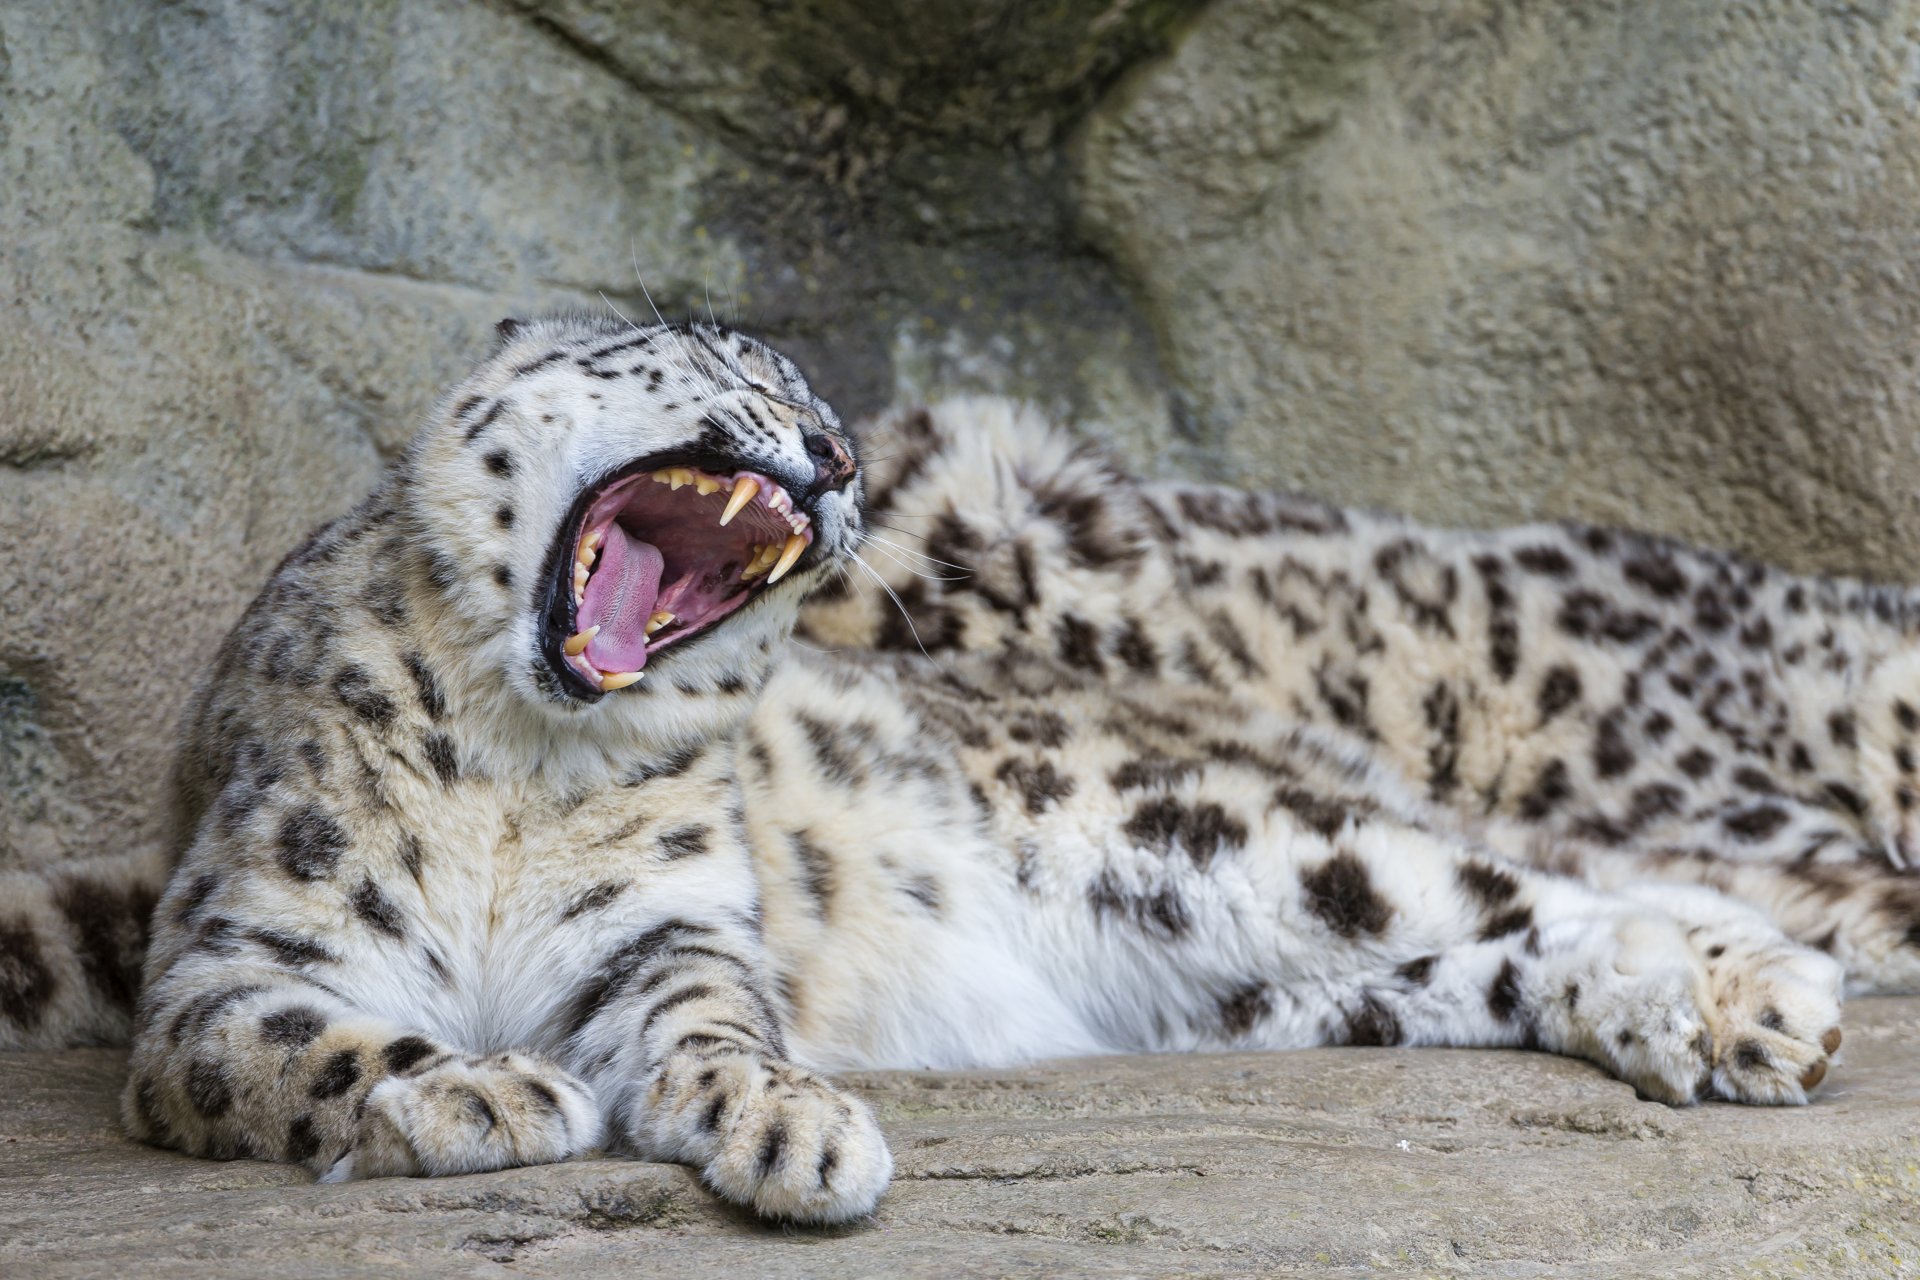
[(664, 550)]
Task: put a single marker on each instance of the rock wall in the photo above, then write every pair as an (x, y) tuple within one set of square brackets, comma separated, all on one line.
[(1481, 260)]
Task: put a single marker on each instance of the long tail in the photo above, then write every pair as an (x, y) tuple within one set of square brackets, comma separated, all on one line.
[(72, 941)]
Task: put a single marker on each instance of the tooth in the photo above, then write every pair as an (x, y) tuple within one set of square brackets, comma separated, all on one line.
[(591, 541), (656, 622), (679, 476), (788, 554), (579, 579), (661, 477), (619, 680), (743, 490), (577, 644), (706, 484)]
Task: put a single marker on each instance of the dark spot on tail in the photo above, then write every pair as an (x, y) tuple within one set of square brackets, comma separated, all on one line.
[(110, 933)]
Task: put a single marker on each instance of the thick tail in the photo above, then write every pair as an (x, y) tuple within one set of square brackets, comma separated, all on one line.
[(72, 941)]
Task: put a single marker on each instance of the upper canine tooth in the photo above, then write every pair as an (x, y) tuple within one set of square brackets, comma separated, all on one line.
[(656, 622), (679, 476), (619, 680), (743, 490), (705, 484), (577, 644), (788, 554)]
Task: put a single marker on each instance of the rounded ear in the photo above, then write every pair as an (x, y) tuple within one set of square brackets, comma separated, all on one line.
[(508, 329)]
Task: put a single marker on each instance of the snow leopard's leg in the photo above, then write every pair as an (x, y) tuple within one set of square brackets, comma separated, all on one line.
[(1248, 888), (254, 1059), (244, 1048), (675, 1029), (1684, 995), (1808, 874)]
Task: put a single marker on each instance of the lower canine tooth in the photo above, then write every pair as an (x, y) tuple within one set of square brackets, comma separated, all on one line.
[(619, 680), (577, 644), (656, 622), (788, 554)]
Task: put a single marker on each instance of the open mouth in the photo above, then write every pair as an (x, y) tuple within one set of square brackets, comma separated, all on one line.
[(661, 555)]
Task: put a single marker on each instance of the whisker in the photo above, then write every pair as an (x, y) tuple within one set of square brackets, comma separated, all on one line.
[(897, 546), (918, 573), (911, 629), (618, 312)]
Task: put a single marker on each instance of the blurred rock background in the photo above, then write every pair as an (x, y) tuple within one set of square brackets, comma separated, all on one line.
[(1479, 260)]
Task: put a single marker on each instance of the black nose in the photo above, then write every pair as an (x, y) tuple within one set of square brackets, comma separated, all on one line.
[(832, 466)]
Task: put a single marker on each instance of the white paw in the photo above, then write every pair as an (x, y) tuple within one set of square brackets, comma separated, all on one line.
[(774, 1137), (1777, 1014), (1728, 1008), (1639, 1007), (471, 1115)]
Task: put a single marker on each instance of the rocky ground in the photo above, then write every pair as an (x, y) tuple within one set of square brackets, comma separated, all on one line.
[(1356, 1162)]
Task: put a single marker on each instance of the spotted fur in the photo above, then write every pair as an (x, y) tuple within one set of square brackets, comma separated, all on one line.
[(1110, 765)]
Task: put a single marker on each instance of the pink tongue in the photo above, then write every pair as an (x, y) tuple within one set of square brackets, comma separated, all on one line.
[(619, 599)]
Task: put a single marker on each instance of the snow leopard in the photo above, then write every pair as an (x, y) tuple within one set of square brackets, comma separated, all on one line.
[(648, 748)]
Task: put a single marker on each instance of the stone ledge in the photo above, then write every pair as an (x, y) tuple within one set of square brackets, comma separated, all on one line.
[(1322, 1162)]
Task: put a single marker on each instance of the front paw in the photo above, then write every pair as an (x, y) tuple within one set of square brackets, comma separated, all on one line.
[(774, 1137), (471, 1115)]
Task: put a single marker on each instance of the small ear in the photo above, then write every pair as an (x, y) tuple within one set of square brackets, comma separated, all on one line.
[(509, 329)]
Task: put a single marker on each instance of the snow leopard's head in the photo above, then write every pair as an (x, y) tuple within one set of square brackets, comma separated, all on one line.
[(618, 506)]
